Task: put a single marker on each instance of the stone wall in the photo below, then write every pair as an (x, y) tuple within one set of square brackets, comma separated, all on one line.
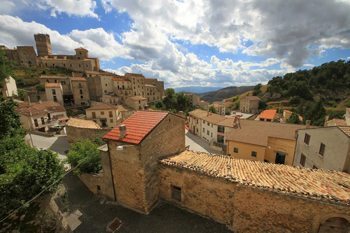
[(245, 208), (75, 134)]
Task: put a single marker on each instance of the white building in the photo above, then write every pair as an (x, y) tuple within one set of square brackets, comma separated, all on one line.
[(9, 87), (326, 147)]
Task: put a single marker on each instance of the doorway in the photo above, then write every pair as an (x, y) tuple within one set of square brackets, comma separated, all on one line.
[(280, 158)]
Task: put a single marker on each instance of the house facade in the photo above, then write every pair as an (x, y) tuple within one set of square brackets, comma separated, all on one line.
[(8, 88), (106, 115), (54, 92), (249, 104), (262, 141), (324, 148)]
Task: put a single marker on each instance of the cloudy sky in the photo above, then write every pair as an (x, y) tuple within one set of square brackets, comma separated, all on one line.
[(188, 42)]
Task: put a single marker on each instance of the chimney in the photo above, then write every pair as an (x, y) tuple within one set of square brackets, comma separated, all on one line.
[(308, 123), (122, 130)]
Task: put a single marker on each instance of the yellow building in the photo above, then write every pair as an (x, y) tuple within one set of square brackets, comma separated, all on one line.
[(106, 115), (263, 141)]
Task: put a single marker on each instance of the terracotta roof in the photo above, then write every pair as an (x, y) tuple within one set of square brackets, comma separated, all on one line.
[(101, 106), (78, 79), (136, 98), (138, 126), (331, 186), (345, 129), (268, 114), (39, 108), (336, 122), (81, 123), (53, 85), (257, 132), (207, 116)]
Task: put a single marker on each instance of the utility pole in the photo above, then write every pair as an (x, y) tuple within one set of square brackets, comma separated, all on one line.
[(30, 122)]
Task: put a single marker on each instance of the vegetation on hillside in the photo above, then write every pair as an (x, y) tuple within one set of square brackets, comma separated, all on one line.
[(86, 154), (5, 67), (175, 102), (311, 91), (224, 93)]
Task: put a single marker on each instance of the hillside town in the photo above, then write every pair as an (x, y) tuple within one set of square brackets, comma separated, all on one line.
[(214, 161)]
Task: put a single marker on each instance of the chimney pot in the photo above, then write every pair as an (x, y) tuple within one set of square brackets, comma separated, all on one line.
[(122, 130)]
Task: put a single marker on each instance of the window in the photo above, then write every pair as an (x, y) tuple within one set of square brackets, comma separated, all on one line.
[(111, 120), (302, 159), (53, 91), (221, 129), (93, 115), (54, 98), (203, 130), (253, 154), (36, 122), (307, 139), (110, 114), (208, 124), (102, 112), (322, 149), (220, 139), (176, 193), (98, 188), (81, 91), (81, 97), (235, 150), (208, 132), (42, 121)]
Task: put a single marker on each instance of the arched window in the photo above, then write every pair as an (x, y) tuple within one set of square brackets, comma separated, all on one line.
[(335, 225)]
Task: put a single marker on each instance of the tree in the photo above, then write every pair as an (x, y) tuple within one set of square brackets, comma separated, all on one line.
[(257, 89), (25, 172), (86, 154), (169, 99), (10, 124), (212, 109), (293, 119), (5, 66), (262, 105)]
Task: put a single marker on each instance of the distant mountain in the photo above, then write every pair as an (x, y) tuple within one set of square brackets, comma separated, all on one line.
[(224, 93), (196, 89)]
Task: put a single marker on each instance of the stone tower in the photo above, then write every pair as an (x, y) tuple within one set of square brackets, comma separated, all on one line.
[(43, 44)]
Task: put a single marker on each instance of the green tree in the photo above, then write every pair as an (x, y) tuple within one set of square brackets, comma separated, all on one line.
[(25, 172), (293, 119), (10, 124), (257, 89), (212, 109), (86, 154), (5, 66), (170, 99)]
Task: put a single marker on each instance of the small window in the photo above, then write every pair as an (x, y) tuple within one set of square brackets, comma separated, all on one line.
[(81, 91), (307, 139), (322, 149), (102, 112), (253, 154), (208, 132), (302, 160), (111, 120), (235, 150), (93, 115), (208, 124), (81, 97), (98, 188), (176, 193), (110, 114)]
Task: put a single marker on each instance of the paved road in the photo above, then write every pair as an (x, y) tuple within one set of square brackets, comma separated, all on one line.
[(58, 144), (198, 144), (96, 214)]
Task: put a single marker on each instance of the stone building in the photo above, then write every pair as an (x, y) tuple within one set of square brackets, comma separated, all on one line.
[(324, 148), (145, 165), (43, 44), (8, 88), (41, 115), (122, 87), (22, 55), (134, 149), (158, 84), (80, 91), (137, 102), (249, 104), (251, 196), (195, 99), (54, 92), (151, 93), (137, 84), (106, 115), (77, 129), (263, 141)]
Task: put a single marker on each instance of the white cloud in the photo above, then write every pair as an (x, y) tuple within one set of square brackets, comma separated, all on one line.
[(289, 30), (14, 31), (70, 7)]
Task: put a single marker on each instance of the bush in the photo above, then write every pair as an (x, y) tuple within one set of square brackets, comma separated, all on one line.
[(85, 153)]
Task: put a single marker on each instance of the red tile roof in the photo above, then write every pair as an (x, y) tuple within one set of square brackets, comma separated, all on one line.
[(268, 114), (138, 126)]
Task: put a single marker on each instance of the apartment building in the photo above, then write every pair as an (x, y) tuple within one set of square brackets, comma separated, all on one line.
[(326, 148), (54, 92), (137, 84), (122, 87), (40, 116), (106, 115)]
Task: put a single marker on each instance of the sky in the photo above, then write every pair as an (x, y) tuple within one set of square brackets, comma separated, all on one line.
[(208, 43)]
